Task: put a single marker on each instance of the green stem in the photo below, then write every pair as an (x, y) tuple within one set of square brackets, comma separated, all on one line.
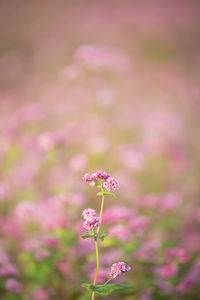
[(96, 246), (101, 212), (97, 260), (108, 280)]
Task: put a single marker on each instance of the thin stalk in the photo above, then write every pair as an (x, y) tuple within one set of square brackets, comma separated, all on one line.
[(97, 269), (108, 280), (101, 211), (96, 246)]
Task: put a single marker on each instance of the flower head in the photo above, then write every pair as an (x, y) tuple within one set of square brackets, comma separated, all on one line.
[(118, 269), (88, 212), (168, 271), (91, 222), (95, 177), (178, 253), (101, 175), (13, 286), (87, 177), (111, 184)]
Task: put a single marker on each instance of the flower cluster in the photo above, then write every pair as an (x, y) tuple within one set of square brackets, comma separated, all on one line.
[(88, 212), (103, 179), (118, 269), (91, 219), (111, 184), (179, 254)]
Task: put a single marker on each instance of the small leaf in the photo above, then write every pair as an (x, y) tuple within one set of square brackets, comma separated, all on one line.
[(102, 235), (106, 193), (87, 236), (87, 285), (106, 290)]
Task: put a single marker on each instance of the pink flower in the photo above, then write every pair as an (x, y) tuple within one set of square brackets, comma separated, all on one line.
[(13, 285), (91, 222), (87, 177), (64, 268), (120, 231), (101, 276), (170, 201), (95, 177), (139, 223), (40, 294), (8, 270), (117, 213), (111, 184), (88, 212), (48, 140), (168, 271), (178, 253), (41, 254), (118, 269), (100, 175), (185, 285)]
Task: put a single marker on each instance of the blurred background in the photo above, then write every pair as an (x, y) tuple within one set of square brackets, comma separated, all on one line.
[(110, 85)]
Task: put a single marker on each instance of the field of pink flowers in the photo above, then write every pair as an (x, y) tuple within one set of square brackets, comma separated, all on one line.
[(99, 85)]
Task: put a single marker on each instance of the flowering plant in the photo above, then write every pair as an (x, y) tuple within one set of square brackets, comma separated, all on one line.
[(92, 224)]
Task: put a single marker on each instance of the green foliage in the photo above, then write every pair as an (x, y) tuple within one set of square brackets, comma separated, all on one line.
[(106, 290), (11, 296), (68, 237), (88, 235), (131, 247), (106, 193), (102, 235), (85, 296)]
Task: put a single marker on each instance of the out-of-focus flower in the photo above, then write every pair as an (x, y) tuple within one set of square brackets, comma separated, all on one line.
[(168, 271), (118, 269), (100, 57), (164, 285), (78, 162), (4, 258), (179, 254), (88, 212), (111, 256), (121, 232), (91, 223), (4, 191), (51, 241), (41, 254), (101, 276), (48, 140), (8, 270), (139, 223), (13, 286), (40, 294), (150, 200), (26, 211), (147, 252), (117, 213), (185, 285), (64, 267), (111, 184), (190, 279), (170, 201), (146, 297), (132, 157)]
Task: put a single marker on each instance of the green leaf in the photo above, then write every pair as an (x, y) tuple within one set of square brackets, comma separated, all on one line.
[(102, 235), (88, 235), (106, 193), (106, 290)]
